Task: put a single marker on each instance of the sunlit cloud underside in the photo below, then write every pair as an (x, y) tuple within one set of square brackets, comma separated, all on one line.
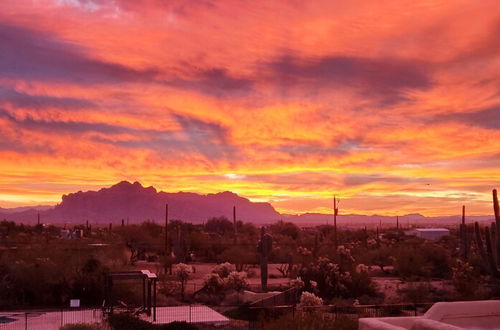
[(392, 105)]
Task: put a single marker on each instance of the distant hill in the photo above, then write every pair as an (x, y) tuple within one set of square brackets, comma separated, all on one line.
[(26, 208), (357, 220), (132, 201)]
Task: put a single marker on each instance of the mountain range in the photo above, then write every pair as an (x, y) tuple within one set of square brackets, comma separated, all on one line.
[(134, 203)]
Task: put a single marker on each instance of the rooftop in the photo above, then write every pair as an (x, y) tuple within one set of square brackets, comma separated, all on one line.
[(478, 315)]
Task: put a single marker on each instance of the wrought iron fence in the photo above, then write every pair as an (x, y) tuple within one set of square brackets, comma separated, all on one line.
[(258, 315), (48, 319), (203, 317)]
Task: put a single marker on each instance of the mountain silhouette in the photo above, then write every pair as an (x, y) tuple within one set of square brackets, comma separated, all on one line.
[(136, 203)]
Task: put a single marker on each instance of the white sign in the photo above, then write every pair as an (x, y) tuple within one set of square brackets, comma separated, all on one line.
[(74, 303)]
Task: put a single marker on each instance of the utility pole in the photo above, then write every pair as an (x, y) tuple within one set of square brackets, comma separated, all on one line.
[(234, 226), (166, 231)]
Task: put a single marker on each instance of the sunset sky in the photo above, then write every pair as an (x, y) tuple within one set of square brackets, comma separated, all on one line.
[(392, 105)]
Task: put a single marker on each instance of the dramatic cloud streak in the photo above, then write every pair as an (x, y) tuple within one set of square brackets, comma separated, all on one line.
[(397, 111)]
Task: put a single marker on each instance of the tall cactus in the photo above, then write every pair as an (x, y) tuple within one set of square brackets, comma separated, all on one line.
[(464, 244), (496, 209), (264, 248), (491, 253), (335, 213)]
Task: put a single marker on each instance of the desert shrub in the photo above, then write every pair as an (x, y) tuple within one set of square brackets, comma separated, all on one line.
[(361, 284), (464, 278), (286, 229), (237, 281), (214, 284), (380, 257), (182, 272), (410, 263), (417, 259), (308, 299), (297, 284), (223, 270), (330, 280), (213, 289)]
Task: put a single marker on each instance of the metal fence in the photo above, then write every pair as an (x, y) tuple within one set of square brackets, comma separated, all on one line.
[(258, 315), (48, 319), (286, 298), (204, 317)]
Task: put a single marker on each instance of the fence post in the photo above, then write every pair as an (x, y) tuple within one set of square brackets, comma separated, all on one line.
[(26, 321), (415, 306), (189, 313), (62, 317)]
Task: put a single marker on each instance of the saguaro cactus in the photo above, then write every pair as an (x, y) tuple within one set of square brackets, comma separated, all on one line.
[(335, 213), (464, 244), (491, 253), (496, 209), (264, 248)]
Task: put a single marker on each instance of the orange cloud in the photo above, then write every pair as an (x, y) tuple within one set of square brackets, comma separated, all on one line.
[(393, 105)]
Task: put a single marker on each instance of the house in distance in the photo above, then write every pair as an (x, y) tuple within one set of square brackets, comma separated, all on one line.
[(428, 233)]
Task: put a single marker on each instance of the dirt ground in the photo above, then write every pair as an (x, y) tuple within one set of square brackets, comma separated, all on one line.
[(201, 270), (387, 284)]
